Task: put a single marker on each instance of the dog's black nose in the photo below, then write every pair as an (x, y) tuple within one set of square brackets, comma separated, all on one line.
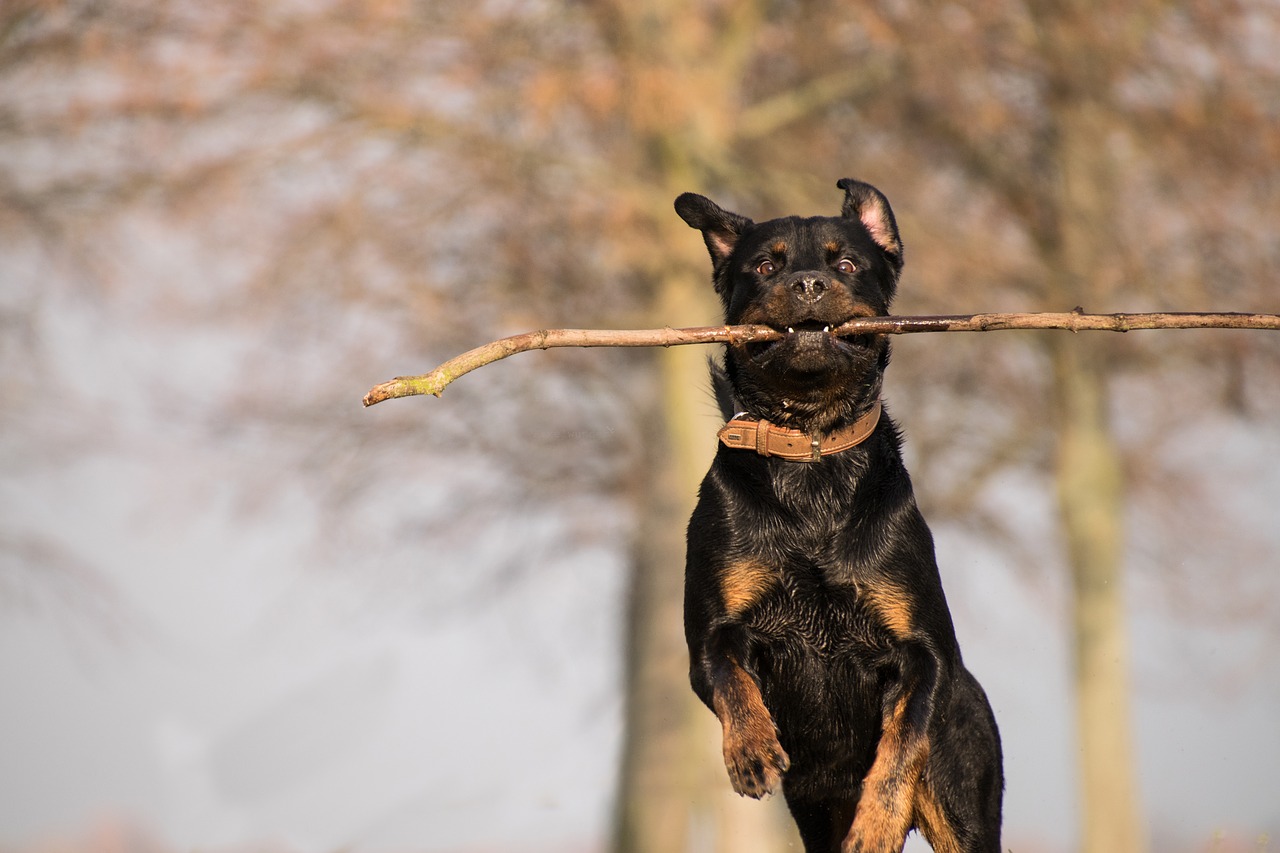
[(808, 287)]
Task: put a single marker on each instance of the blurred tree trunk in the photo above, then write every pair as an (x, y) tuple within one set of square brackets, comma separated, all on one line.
[(660, 792), (680, 66), (1084, 264), (658, 770), (1091, 507), (673, 794)]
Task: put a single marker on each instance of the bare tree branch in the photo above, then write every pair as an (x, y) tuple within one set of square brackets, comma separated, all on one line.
[(772, 114), (1073, 321)]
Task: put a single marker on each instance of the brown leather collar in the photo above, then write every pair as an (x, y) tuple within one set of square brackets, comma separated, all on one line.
[(793, 445)]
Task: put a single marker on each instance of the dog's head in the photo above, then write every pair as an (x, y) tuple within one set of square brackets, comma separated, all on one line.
[(804, 277)]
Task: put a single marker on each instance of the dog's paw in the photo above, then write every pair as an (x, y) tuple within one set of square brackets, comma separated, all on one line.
[(754, 758)]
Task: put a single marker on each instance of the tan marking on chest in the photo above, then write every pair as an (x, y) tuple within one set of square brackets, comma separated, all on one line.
[(893, 605), (743, 584)]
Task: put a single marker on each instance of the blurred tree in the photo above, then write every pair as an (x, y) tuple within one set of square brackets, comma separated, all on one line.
[(364, 184)]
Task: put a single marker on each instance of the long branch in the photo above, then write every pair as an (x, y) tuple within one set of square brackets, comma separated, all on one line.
[(1074, 321)]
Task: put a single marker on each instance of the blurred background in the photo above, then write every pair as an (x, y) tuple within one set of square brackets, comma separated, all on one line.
[(238, 612)]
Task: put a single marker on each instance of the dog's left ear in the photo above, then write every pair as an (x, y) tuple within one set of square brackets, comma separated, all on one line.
[(868, 205)]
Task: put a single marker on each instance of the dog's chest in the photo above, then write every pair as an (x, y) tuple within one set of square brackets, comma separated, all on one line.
[(817, 524), (818, 608)]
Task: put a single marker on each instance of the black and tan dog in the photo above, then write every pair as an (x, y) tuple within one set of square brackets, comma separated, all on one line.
[(818, 630)]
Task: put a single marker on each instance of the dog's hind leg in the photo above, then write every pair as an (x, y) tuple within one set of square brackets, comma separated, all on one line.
[(959, 802), (886, 807)]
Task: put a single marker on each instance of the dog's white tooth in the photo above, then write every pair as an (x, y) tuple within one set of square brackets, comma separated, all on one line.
[(790, 330), (826, 328)]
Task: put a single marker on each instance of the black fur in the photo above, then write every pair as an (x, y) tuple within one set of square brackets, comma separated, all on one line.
[(817, 627)]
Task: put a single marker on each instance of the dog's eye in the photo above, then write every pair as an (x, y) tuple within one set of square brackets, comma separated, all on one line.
[(766, 268), (846, 267)]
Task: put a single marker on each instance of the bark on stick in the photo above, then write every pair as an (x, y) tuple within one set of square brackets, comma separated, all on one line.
[(1073, 321)]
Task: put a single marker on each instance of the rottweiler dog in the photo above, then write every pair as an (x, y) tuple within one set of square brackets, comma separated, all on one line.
[(817, 627)]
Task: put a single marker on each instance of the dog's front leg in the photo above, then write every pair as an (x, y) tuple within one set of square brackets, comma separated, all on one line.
[(886, 807), (752, 754)]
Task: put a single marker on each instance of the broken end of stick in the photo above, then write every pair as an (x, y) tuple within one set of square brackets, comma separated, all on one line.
[(405, 386), (378, 393)]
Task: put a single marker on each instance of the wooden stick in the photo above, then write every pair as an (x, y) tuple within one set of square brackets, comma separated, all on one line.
[(1074, 321)]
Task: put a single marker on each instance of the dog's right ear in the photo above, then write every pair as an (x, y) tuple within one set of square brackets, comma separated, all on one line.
[(720, 228)]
